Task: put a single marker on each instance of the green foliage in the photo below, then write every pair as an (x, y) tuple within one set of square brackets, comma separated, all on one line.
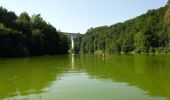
[(26, 36), (77, 43), (144, 34)]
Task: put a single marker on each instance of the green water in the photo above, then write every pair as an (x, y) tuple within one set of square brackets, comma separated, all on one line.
[(86, 77)]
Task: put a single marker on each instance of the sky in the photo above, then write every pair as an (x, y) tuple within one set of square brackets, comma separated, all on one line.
[(76, 16)]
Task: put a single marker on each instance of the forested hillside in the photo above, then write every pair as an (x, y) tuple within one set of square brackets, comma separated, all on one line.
[(26, 36), (148, 33)]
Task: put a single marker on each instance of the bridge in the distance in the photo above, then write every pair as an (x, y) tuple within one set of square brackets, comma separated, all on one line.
[(72, 37)]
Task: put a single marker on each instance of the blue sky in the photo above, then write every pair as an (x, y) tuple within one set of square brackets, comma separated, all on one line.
[(80, 15)]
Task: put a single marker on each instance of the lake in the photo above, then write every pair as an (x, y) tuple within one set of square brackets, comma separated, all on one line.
[(86, 77)]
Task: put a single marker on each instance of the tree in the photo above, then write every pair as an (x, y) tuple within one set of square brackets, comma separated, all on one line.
[(28, 36), (143, 34)]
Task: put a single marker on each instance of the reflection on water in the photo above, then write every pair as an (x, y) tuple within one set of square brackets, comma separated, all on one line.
[(72, 62), (86, 77)]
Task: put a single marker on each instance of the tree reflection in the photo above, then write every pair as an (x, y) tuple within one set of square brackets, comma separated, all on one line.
[(31, 75), (149, 73)]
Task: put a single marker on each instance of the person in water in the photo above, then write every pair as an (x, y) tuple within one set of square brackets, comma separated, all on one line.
[(104, 55)]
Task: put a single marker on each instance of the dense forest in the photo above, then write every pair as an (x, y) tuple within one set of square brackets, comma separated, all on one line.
[(148, 33), (26, 35), (29, 36)]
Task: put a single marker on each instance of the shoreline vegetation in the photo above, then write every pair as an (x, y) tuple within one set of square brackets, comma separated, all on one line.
[(25, 36), (131, 53), (146, 34)]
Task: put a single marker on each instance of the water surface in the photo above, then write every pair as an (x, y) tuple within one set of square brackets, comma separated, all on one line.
[(86, 77)]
